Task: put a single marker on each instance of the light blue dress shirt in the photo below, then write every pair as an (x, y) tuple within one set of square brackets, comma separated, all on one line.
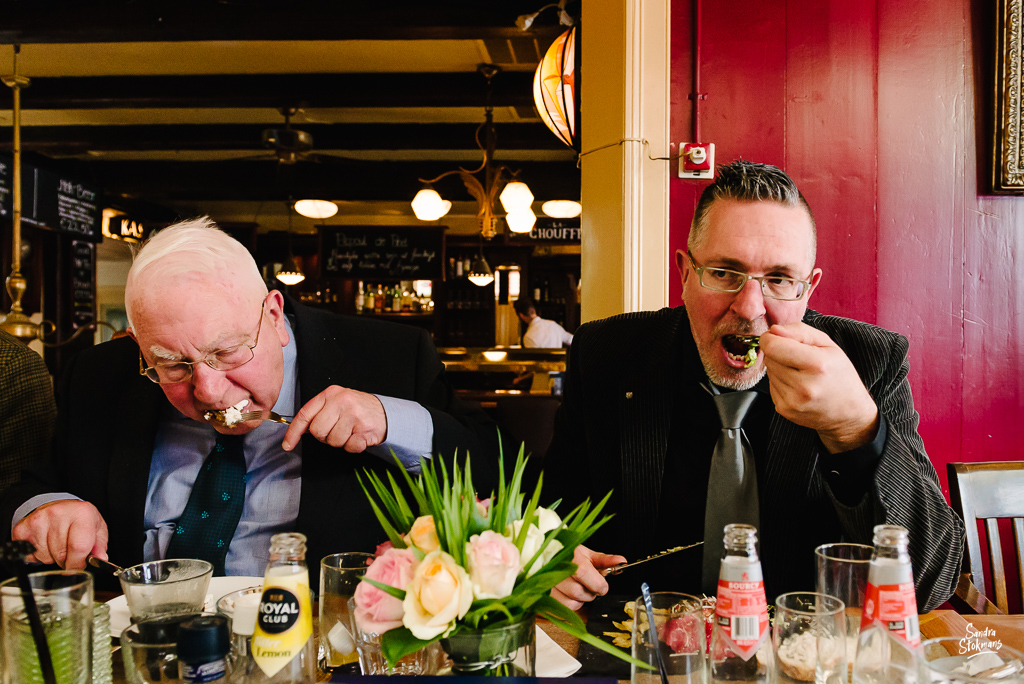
[(273, 482)]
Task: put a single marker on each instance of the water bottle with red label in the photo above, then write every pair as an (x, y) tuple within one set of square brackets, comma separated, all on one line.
[(741, 611)]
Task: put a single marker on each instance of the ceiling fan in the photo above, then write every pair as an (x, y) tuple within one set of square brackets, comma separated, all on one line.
[(289, 144)]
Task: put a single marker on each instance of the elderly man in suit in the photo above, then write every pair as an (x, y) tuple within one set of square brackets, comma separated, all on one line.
[(143, 469), (831, 448)]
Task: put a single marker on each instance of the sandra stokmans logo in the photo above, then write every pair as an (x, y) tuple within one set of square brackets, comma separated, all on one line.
[(977, 641)]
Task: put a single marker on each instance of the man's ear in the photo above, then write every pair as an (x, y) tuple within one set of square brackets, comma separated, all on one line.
[(684, 272), (815, 279)]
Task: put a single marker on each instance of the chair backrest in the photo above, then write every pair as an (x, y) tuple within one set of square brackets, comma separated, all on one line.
[(990, 491)]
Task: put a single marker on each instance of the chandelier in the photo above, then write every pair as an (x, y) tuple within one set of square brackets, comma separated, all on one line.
[(516, 198)]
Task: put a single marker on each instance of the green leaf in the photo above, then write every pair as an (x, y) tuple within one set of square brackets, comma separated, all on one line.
[(570, 623), (386, 588), (399, 642)]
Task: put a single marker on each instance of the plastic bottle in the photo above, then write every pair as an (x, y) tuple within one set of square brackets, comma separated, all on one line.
[(741, 611), (360, 299), (282, 643)]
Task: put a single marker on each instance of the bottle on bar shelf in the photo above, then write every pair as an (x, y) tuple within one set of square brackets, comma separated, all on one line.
[(360, 298), (283, 647), (741, 611), (378, 301), (890, 610), (368, 305)]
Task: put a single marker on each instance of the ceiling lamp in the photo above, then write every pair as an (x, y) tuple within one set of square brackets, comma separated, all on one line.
[(428, 205), (521, 221), (525, 21), (516, 197), (562, 209), (554, 89), (316, 208), (480, 273)]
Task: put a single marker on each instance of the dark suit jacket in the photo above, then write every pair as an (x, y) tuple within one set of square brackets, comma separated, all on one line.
[(27, 409), (108, 417), (613, 427)]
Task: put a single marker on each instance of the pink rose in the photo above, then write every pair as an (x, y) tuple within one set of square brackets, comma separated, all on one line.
[(381, 548), (377, 611), (493, 565), (483, 507)]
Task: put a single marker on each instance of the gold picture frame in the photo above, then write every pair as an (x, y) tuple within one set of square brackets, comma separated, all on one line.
[(1008, 158)]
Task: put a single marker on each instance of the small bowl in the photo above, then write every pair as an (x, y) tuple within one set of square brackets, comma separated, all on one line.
[(166, 587)]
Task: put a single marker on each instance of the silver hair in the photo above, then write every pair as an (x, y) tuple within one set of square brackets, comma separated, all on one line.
[(748, 181), (193, 246)]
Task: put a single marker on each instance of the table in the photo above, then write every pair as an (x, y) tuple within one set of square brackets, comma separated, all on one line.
[(1008, 628)]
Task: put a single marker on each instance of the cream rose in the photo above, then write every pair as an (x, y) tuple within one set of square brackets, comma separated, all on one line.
[(535, 538), (423, 534), (376, 610), (440, 592), (493, 565)]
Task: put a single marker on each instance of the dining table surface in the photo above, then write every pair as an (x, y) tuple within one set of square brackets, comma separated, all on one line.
[(1009, 629)]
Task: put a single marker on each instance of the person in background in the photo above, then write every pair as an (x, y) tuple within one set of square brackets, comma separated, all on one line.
[(27, 409), (141, 468), (540, 332), (828, 415)]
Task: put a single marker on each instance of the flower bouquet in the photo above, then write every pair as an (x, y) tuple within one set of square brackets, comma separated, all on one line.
[(473, 574)]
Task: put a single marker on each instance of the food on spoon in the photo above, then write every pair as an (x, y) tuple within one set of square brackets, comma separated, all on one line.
[(752, 342), (229, 417)]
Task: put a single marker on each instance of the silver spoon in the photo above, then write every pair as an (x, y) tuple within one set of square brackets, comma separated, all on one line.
[(101, 564)]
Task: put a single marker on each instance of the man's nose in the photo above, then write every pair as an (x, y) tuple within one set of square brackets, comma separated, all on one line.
[(208, 385), (749, 302)]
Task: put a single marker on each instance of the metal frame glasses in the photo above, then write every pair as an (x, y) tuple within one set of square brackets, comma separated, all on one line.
[(728, 280), (222, 360)]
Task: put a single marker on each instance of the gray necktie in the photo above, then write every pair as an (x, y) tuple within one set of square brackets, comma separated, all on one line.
[(732, 485)]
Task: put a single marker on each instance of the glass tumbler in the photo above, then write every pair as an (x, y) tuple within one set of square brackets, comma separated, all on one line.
[(978, 657), (339, 577), (64, 602), (679, 635), (808, 639)]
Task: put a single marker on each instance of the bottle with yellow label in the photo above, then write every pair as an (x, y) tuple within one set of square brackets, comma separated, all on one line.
[(283, 648)]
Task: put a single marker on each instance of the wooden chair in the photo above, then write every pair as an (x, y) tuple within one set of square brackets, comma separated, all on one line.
[(988, 491)]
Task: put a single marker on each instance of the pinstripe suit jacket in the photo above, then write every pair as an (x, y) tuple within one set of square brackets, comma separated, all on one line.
[(625, 377), (27, 409)]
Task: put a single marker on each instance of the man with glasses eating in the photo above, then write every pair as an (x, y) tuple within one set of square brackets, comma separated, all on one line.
[(162, 448), (745, 406)]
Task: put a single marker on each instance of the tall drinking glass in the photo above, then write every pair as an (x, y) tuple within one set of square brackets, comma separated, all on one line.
[(64, 600), (843, 573), (339, 577)]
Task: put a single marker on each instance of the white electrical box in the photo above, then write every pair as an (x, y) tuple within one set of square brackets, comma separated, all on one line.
[(696, 160)]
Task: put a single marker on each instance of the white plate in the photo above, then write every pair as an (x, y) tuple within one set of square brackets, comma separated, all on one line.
[(219, 586)]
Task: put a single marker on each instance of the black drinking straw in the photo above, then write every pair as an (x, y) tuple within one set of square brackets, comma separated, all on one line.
[(13, 554)]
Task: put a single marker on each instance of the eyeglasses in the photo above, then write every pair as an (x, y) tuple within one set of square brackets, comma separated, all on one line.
[(727, 280), (223, 360)]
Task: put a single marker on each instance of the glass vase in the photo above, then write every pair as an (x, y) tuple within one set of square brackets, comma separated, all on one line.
[(501, 651)]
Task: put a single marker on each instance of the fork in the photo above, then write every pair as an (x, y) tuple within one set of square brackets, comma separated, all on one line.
[(273, 417)]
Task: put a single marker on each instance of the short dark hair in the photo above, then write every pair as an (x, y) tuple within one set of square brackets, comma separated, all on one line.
[(524, 305), (743, 180)]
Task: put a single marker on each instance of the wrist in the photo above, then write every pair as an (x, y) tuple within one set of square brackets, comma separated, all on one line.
[(853, 434)]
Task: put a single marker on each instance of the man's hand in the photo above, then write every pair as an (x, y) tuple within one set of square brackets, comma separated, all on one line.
[(814, 384), (340, 417), (64, 532), (588, 583)]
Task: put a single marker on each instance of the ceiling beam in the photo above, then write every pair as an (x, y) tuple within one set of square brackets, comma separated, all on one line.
[(351, 180), (460, 89), (119, 21), (67, 140)]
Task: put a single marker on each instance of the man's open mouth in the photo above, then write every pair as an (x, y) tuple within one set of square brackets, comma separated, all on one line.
[(742, 348)]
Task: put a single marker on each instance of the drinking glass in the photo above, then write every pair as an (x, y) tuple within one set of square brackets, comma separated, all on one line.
[(339, 577), (843, 573), (883, 658), (808, 639), (977, 657), (166, 587), (241, 609), (679, 635), (149, 648), (371, 660), (64, 600)]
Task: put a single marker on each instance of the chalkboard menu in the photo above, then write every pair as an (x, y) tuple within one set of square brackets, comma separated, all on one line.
[(83, 283), (397, 252), (52, 201)]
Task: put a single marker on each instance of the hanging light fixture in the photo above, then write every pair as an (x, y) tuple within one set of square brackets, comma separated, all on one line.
[(428, 204), (554, 89), (563, 209), (290, 273), (480, 273), (316, 208)]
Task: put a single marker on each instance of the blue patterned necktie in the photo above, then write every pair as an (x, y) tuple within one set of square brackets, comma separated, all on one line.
[(732, 485), (211, 515)]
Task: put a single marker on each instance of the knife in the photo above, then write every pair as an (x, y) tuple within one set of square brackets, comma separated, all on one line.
[(616, 569)]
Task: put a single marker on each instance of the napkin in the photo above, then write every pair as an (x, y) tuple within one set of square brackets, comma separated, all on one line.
[(552, 660)]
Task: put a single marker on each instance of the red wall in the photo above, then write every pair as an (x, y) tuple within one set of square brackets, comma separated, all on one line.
[(881, 111)]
